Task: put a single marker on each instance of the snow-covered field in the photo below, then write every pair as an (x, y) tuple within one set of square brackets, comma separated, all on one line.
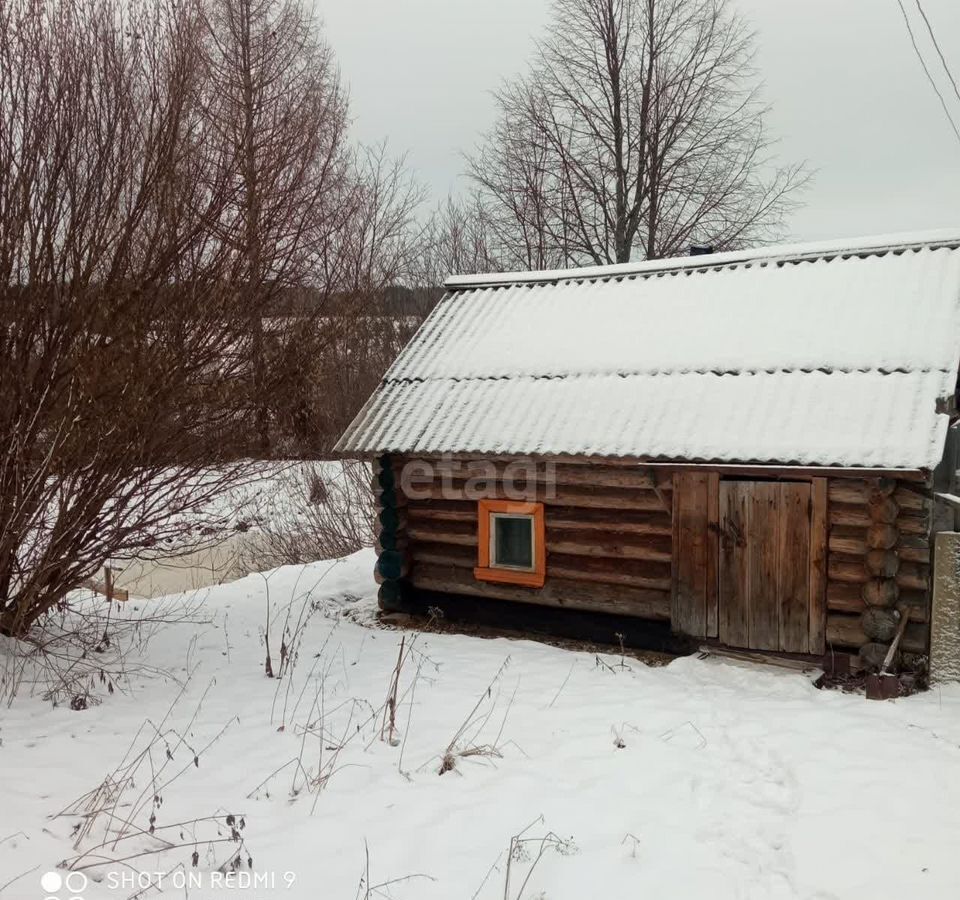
[(697, 779)]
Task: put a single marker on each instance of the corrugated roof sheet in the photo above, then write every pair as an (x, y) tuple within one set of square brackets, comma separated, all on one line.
[(834, 357)]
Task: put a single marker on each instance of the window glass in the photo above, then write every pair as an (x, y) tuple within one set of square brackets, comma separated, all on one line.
[(513, 541)]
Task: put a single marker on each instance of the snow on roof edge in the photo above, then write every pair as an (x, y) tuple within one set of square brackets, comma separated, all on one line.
[(870, 244)]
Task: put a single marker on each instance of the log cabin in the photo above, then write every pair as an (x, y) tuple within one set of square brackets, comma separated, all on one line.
[(744, 448)]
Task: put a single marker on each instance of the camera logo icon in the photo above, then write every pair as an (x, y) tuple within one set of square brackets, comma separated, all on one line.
[(63, 887)]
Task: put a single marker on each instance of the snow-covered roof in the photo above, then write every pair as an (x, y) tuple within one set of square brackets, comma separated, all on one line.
[(819, 355)]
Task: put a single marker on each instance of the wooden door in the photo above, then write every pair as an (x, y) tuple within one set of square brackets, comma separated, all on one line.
[(767, 596)]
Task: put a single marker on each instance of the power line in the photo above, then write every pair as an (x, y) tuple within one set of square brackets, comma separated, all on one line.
[(936, 44), (926, 70)]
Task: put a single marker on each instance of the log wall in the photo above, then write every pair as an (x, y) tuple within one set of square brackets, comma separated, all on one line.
[(610, 537), (878, 561)]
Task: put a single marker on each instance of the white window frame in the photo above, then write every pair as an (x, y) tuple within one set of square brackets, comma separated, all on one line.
[(494, 564)]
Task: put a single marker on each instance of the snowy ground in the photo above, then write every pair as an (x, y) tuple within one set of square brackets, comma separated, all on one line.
[(697, 779)]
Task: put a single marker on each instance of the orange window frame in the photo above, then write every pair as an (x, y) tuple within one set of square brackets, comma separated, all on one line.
[(484, 571)]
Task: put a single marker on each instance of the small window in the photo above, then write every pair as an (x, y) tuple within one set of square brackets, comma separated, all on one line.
[(511, 546)]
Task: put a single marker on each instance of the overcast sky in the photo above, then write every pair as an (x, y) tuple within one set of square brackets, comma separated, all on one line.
[(847, 94)]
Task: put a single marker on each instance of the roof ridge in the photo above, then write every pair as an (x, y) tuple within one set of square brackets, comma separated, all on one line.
[(780, 255), (666, 373)]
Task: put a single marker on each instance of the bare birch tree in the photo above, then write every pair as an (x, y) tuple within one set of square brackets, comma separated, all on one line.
[(638, 130)]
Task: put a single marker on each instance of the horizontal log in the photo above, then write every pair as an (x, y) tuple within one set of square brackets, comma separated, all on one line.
[(557, 592), (390, 540), (849, 540), (914, 548), (844, 597), (566, 518), (882, 563), (880, 624), (443, 555), (882, 509), (562, 495), (609, 545), (853, 541), (847, 569), (914, 575), (858, 491), (732, 469), (917, 602), (908, 499), (846, 631), (914, 601), (882, 537), (880, 592), (392, 519), (463, 533), (859, 516), (909, 524), (632, 572), (603, 544), (519, 470), (854, 490), (639, 573), (442, 510), (849, 514)]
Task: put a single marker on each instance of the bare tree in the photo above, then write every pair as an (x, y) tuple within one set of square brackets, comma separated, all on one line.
[(277, 103), (381, 237), (117, 265), (638, 130), (456, 241), (335, 359)]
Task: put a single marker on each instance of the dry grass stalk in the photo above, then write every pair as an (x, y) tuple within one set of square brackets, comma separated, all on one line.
[(464, 743), (117, 818), (519, 852)]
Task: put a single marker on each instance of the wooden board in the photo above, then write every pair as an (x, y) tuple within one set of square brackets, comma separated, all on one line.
[(763, 559), (793, 571), (734, 563), (765, 566), (819, 532), (694, 587)]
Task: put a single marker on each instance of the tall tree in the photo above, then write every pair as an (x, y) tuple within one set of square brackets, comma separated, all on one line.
[(277, 102), (638, 130)]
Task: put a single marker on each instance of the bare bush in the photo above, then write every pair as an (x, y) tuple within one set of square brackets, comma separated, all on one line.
[(167, 170), (327, 513), (89, 648), (117, 315)]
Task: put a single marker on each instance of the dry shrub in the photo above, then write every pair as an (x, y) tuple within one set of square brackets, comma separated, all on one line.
[(328, 513), (121, 819), (90, 647)]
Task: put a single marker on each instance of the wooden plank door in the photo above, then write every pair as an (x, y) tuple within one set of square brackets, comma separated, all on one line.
[(764, 566)]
